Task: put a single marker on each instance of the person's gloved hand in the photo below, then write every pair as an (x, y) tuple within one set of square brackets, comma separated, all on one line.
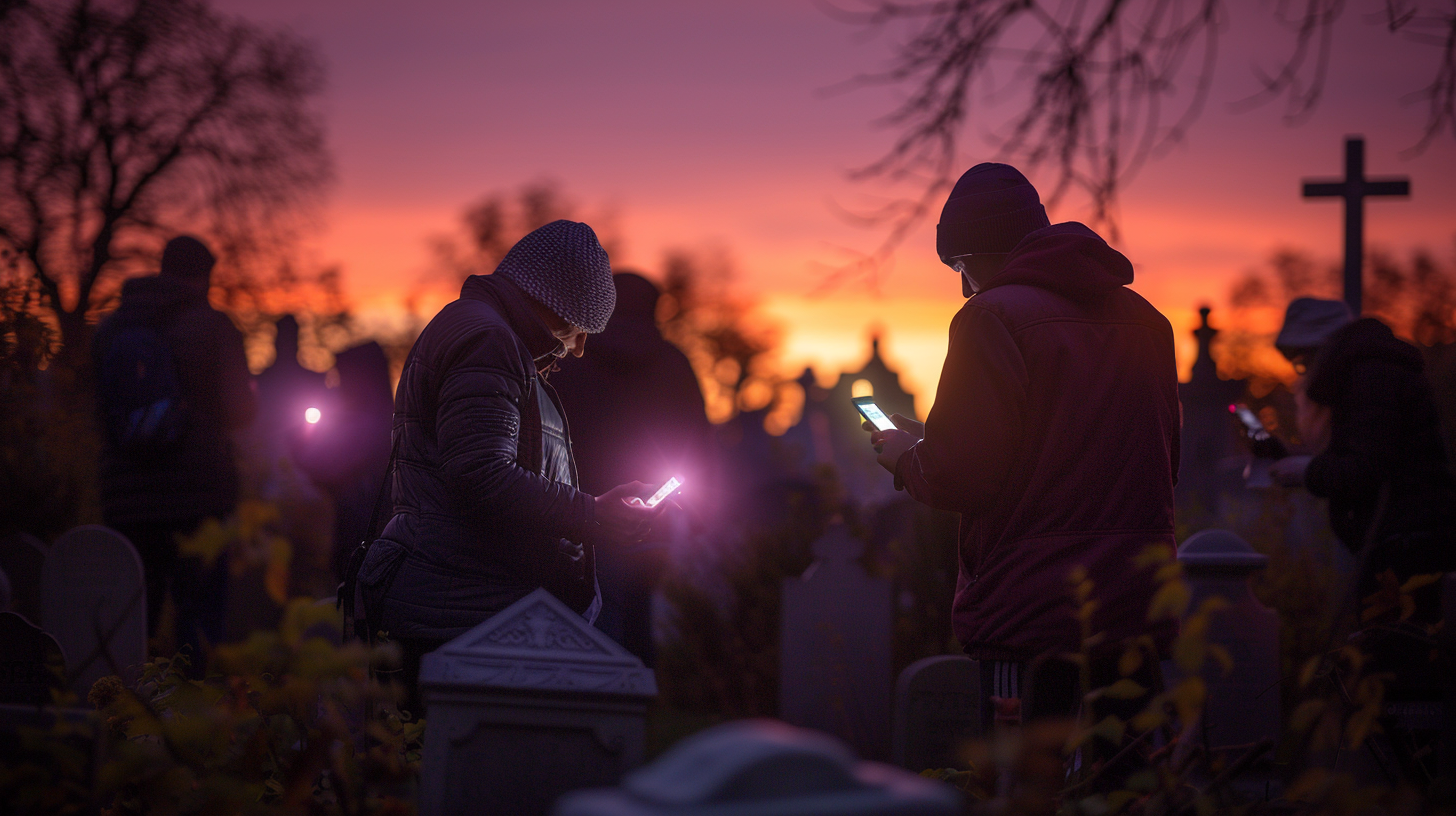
[(620, 519)]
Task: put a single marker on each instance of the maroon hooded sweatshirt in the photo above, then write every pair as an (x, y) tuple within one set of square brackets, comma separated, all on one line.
[(1055, 435)]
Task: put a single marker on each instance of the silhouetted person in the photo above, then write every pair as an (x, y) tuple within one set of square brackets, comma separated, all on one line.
[(486, 502), (173, 384), (635, 409), (346, 451), (1055, 435)]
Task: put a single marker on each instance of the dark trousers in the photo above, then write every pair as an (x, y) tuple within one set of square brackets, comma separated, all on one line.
[(198, 590)]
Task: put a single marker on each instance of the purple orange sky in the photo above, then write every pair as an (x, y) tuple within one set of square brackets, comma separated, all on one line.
[(703, 126)]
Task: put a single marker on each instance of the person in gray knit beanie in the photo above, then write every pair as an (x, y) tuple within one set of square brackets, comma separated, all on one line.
[(563, 267)]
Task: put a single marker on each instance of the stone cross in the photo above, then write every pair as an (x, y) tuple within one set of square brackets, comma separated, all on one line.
[(835, 666), (764, 768), (1354, 187), (530, 704), (94, 602)]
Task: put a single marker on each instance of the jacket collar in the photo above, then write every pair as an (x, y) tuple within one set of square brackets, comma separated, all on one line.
[(515, 306)]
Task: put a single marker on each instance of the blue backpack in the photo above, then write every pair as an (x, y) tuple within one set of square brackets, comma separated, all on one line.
[(139, 392)]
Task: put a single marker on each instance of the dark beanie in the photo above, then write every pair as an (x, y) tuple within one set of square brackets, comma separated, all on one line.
[(990, 209), (187, 258), (563, 267)]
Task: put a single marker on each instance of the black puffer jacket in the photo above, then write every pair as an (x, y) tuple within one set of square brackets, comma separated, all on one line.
[(485, 503), (1384, 430), (198, 477)]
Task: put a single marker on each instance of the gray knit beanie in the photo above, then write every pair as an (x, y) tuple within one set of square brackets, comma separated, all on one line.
[(563, 267), (990, 209)]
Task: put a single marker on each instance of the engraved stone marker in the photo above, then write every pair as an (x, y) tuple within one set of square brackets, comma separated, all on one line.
[(1242, 707), (530, 704), (31, 662), (937, 710), (765, 768), (835, 672), (94, 602)]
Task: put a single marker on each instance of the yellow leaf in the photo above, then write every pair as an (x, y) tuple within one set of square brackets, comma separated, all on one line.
[(1188, 697), (1212, 604), (1153, 554), (1117, 800), (1170, 601), (1167, 572), (1131, 661), (1415, 582), (1360, 725), (1124, 689), (1306, 714), (1111, 729), (1150, 717), (1306, 674), (1188, 653), (1309, 783), (1223, 658)]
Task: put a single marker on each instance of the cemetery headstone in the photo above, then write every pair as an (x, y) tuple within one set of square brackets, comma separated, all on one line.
[(21, 557), (765, 768), (31, 662), (937, 710), (94, 602), (530, 704), (835, 672), (1242, 706)]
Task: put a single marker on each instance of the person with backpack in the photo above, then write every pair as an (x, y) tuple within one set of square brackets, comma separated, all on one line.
[(172, 385)]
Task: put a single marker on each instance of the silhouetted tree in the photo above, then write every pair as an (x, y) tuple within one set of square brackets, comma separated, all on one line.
[(1102, 85), (124, 120)]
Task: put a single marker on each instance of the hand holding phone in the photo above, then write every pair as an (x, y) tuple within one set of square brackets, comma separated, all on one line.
[(872, 412), (1266, 445), (667, 489)]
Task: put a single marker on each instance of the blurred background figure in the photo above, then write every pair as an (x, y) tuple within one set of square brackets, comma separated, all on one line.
[(173, 384), (346, 450), (286, 389), (636, 412)]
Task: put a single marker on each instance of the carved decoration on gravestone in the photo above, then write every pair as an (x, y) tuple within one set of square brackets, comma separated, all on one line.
[(937, 711), (1243, 706), (32, 664), (94, 602), (765, 768), (835, 671), (21, 557), (526, 706)]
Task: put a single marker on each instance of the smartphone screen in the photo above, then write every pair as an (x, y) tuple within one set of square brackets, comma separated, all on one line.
[(1250, 420), (663, 492), (872, 412)]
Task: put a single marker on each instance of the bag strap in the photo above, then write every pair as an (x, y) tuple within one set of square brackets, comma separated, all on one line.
[(350, 584)]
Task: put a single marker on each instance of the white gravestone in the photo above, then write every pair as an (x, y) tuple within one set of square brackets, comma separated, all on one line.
[(765, 768), (530, 704), (835, 672), (937, 711), (1243, 707), (94, 602)]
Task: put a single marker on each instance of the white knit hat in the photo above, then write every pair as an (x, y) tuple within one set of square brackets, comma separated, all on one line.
[(564, 268)]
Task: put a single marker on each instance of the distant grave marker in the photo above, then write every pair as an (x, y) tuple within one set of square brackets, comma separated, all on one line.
[(1354, 188), (835, 667), (31, 662), (94, 602), (937, 710), (21, 557)]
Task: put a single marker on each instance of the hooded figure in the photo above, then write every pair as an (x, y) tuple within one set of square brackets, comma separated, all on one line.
[(1054, 434), (635, 409), (486, 503), (157, 489)]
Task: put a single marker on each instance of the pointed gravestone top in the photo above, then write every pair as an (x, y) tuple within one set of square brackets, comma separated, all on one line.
[(1219, 551), (538, 644)]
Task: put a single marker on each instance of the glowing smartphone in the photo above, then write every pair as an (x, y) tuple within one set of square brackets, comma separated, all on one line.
[(663, 492), (869, 410), (1265, 444), (1252, 426)]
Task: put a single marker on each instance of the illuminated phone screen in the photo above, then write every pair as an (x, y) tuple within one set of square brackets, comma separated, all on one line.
[(1249, 419), (872, 412), (663, 492)]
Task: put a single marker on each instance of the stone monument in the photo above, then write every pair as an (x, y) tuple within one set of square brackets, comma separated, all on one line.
[(835, 672), (1243, 706), (937, 710), (765, 768), (94, 602), (530, 704)]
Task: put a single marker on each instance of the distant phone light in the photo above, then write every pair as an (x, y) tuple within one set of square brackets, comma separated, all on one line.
[(312, 416)]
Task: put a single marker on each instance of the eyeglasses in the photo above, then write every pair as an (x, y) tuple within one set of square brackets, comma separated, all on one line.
[(960, 264)]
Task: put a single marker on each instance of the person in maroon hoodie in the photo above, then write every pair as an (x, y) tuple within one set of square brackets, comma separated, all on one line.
[(1054, 434)]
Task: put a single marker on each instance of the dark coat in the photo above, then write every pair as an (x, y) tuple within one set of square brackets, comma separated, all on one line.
[(1055, 435), (485, 507), (1384, 429), (198, 477)]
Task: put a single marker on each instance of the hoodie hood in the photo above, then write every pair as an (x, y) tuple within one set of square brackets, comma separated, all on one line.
[(1068, 259), (1365, 340)]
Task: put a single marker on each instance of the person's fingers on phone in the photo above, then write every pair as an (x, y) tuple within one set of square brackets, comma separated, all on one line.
[(867, 425)]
